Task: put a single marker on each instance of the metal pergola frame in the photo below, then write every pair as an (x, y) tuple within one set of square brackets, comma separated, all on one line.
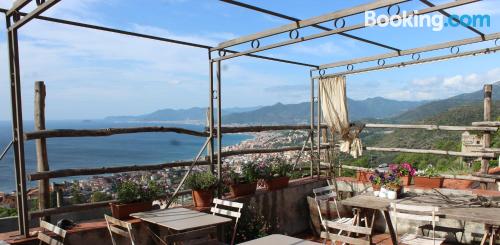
[(15, 19)]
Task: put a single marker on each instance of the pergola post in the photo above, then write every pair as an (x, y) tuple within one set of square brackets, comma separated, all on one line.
[(41, 148), (17, 129), (488, 89), (318, 146), (219, 125), (312, 124), (211, 113)]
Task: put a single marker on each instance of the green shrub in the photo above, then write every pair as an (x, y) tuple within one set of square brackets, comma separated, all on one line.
[(201, 181), (130, 191)]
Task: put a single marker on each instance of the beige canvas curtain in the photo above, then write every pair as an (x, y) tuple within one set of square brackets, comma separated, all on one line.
[(334, 110)]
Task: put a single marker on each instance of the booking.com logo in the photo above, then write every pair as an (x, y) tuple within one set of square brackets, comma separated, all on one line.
[(436, 22)]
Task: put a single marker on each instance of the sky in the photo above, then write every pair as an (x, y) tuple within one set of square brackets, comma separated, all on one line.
[(91, 74)]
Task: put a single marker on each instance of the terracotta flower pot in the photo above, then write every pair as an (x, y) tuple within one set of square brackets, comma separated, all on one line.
[(457, 183), (376, 187), (406, 180), (202, 198), (123, 211), (429, 182), (277, 183), (363, 176), (242, 189)]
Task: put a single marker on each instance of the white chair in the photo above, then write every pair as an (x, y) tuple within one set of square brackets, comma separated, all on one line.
[(345, 239), (417, 213), (226, 212), (325, 194), (44, 238), (121, 228)]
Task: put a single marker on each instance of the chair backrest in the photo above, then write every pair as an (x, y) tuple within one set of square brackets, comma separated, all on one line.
[(415, 212), (324, 194), (44, 238), (345, 227), (226, 212), (118, 227), (201, 236)]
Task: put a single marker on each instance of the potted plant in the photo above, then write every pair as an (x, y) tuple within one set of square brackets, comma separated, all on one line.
[(404, 171), (245, 183), (202, 185), (429, 178), (377, 179), (276, 176), (393, 186), (133, 198)]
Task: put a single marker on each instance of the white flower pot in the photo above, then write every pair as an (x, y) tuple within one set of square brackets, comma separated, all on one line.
[(392, 195), (376, 193), (383, 193)]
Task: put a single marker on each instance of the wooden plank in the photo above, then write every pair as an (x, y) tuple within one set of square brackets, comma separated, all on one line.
[(323, 189), (413, 51), (225, 212), (348, 227), (415, 216), (308, 22), (57, 230), (344, 29), (489, 216), (488, 176), (417, 208), (262, 128), (345, 239), (431, 127), (58, 133), (276, 239), (48, 240), (468, 177), (228, 203), (118, 231), (487, 123), (41, 147), (437, 152)]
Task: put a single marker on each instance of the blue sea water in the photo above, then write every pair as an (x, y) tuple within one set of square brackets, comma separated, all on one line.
[(91, 152)]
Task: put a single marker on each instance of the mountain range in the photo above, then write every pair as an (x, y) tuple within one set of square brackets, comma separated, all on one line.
[(371, 109)]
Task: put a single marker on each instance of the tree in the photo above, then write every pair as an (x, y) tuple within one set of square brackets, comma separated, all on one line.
[(99, 197)]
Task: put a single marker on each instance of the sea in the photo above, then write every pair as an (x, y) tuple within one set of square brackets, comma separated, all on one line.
[(116, 150)]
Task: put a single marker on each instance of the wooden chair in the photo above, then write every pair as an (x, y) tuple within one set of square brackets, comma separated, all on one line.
[(203, 236), (118, 227), (327, 235), (225, 212), (325, 194), (44, 238), (417, 213)]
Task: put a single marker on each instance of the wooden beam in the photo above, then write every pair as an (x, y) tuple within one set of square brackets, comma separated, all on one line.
[(431, 127), (491, 50), (260, 151), (411, 51), (494, 150), (487, 123), (261, 128), (437, 152), (308, 22), (36, 12), (110, 170), (59, 133), (488, 90), (345, 29), (41, 148)]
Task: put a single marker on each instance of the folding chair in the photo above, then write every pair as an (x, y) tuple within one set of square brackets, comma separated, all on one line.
[(326, 193), (44, 238), (226, 212), (121, 228), (417, 213), (345, 239)]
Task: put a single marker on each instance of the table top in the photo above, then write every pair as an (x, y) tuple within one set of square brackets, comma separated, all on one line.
[(180, 219), (480, 215), (278, 239)]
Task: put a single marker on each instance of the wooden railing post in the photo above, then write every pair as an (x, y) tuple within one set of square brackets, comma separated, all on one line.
[(488, 89), (41, 147)]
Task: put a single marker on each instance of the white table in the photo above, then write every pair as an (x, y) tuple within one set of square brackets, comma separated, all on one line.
[(180, 219), (278, 239)]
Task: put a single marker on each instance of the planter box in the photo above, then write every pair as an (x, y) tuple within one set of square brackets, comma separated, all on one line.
[(406, 180), (363, 176), (243, 189), (277, 183), (123, 211), (202, 198), (429, 182), (457, 184)]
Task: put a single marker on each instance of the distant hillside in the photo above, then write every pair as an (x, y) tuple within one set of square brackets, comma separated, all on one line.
[(299, 113), (434, 108), (195, 114)]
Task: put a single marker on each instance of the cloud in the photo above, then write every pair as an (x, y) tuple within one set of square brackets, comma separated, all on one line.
[(424, 81), (328, 48)]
